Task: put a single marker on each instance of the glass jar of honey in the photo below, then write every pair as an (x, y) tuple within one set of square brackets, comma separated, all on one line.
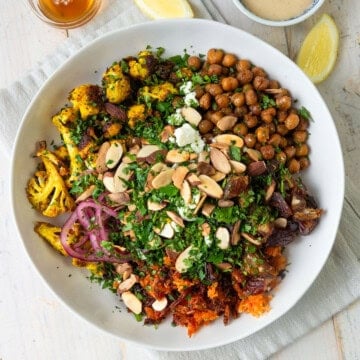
[(65, 14)]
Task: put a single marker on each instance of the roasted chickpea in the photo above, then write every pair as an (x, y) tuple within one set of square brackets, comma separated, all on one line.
[(229, 60), (262, 134), (304, 163), (258, 71), (303, 124), (281, 157), (290, 151), (255, 109), (213, 89), (238, 99), (205, 126), (205, 101), (222, 100), (283, 102), (267, 152), (294, 166), (260, 83), (273, 84), (275, 140), (194, 62), (282, 129), (199, 91), (250, 120), (292, 121), (216, 116), (214, 69), (244, 76), (215, 56), (229, 83), (240, 129), (281, 116), (300, 136), (240, 111), (271, 127), (243, 64), (302, 150), (283, 142), (267, 115), (250, 140), (251, 97)]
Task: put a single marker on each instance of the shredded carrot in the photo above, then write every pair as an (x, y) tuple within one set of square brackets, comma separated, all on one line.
[(212, 291), (273, 251), (255, 305)]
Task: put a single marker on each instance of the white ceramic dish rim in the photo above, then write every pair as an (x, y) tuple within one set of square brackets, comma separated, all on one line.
[(266, 320), (306, 14)]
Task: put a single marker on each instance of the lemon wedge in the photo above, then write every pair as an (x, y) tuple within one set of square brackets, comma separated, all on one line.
[(164, 9), (318, 53)]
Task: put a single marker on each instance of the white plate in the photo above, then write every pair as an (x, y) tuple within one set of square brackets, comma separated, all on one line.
[(325, 179)]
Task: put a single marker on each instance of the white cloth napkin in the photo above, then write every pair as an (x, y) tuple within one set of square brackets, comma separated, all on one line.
[(337, 285)]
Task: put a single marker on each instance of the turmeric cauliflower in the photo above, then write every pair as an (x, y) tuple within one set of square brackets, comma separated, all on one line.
[(63, 121), (117, 85), (139, 69), (158, 92), (47, 191), (87, 99), (136, 113), (51, 234)]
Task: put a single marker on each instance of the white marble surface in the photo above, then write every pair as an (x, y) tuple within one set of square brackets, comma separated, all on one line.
[(34, 324)]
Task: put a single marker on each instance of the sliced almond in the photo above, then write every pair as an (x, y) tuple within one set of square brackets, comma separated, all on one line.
[(237, 166), (200, 203), (229, 139), (193, 179), (205, 168), (114, 154), (100, 164), (205, 229), (154, 206), (207, 209), (254, 154), (191, 115), (108, 181), (158, 168), (160, 305), (226, 122), (128, 158), (185, 192), (121, 268), (175, 156), (270, 190), (86, 194), (120, 198), (181, 265), (280, 223), (204, 156), (167, 231), (223, 235), (218, 176), (127, 284), (179, 176), (225, 203), (122, 173), (235, 234), (166, 133), (176, 218), (224, 266), (219, 161), (162, 179), (210, 187), (250, 238), (132, 302), (146, 151)]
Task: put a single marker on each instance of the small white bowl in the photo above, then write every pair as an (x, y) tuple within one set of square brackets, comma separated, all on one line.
[(307, 13)]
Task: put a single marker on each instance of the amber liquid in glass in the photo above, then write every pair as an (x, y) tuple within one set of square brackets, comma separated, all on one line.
[(66, 10)]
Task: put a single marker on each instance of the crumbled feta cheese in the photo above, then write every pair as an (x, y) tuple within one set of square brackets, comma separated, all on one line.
[(176, 118), (187, 135), (186, 87), (190, 99)]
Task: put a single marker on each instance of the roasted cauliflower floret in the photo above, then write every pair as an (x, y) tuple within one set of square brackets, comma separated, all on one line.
[(136, 113), (51, 234), (143, 66), (158, 92), (63, 121), (87, 99), (116, 84), (47, 191)]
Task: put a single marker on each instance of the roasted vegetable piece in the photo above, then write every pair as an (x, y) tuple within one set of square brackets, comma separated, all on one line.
[(87, 99), (141, 68), (116, 84), (96, 268), (51, 234), (63, 121), (47, 191), (158, 92), (136, 113)]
